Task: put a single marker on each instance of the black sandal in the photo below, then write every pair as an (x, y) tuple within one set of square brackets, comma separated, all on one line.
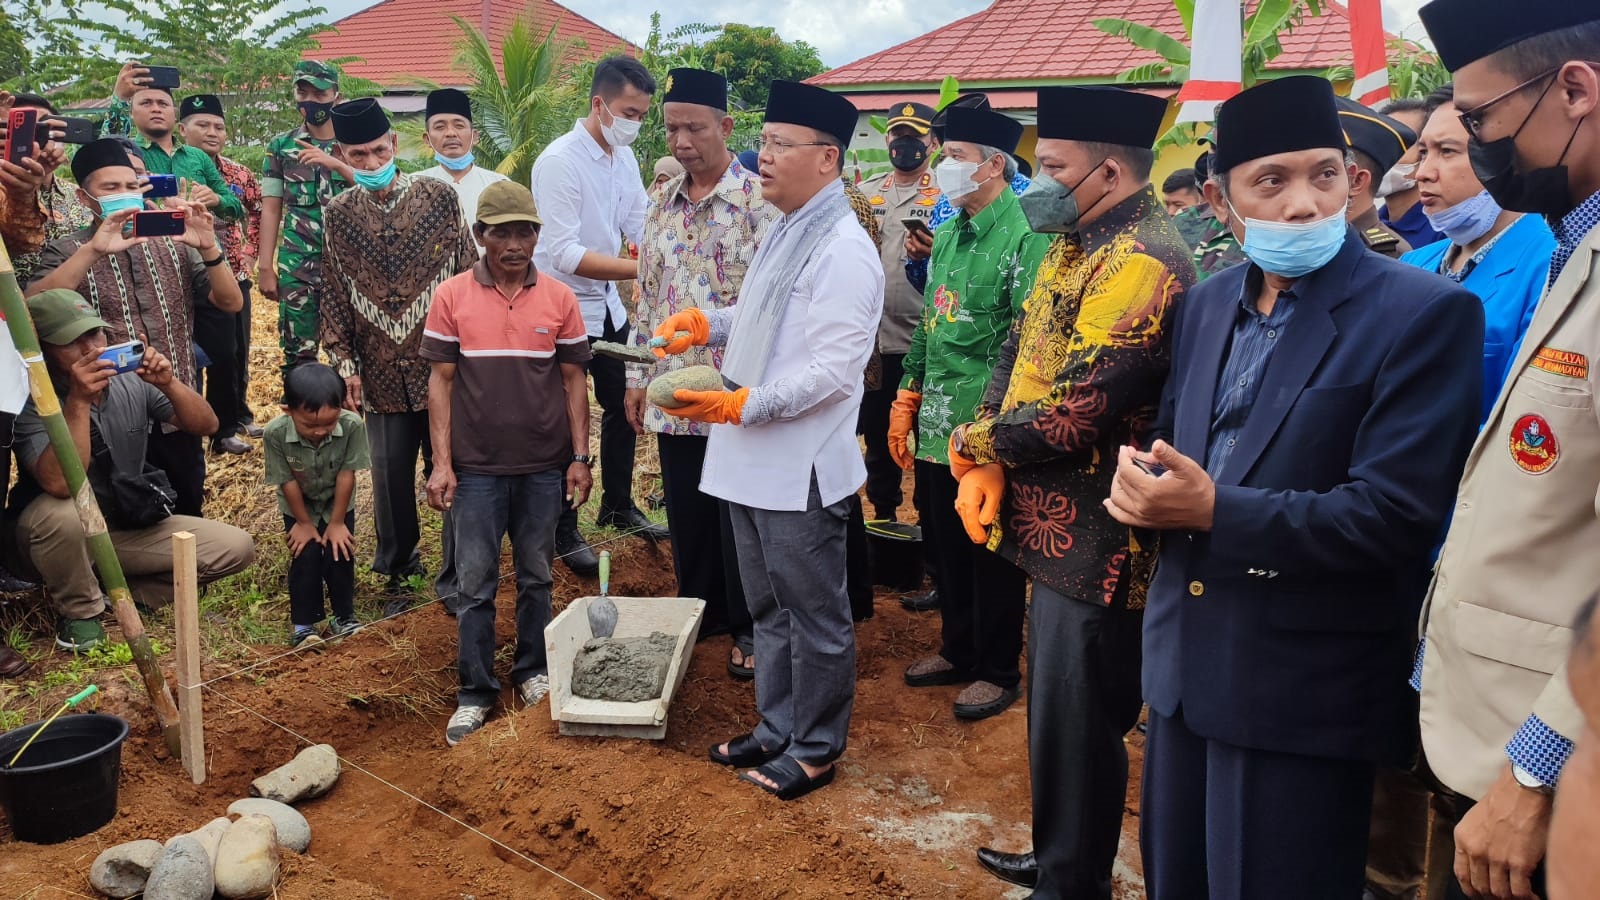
[(742, 670), (791, 780), (745, 751)]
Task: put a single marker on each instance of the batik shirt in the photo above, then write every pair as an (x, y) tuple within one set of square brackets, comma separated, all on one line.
[(241, 240), (1079, 375), (981, 269), (62, 215), (694, 255), (305, 191)]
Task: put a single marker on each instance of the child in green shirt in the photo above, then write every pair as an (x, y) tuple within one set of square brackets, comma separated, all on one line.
[(313, 452)]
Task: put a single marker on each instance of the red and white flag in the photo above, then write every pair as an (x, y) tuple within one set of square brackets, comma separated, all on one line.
[(13, 373), (1371, 86), (1216, 60)]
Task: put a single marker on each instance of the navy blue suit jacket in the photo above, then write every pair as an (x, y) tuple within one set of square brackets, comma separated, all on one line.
[(1289, 625)]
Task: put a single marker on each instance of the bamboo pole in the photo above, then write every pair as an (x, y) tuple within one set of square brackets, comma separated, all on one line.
[(186, 614), (104, 554)]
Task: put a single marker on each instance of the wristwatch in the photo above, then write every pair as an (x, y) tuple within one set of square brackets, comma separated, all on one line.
[(1530, 781), (584, 458)]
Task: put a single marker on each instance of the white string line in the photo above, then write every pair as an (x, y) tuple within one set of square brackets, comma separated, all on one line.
[(400, 790), (293, 651)]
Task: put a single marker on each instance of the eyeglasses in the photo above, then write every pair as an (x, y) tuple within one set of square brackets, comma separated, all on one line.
[(1472, 119), (779, 148)]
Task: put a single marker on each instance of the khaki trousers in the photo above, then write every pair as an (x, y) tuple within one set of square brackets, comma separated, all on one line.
[(51, 540)]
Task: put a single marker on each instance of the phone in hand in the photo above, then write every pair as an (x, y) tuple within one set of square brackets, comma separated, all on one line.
[(1153, 469), (76, 131), (126, 356), (21, 131), (158, 223), (916, 225), (163, 77), (163, 186)]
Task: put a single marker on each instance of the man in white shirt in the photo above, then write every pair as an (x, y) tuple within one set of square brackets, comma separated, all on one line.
[(448, 120), (783, 453), (587, 187)]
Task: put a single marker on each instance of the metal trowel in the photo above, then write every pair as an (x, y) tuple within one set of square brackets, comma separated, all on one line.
[(603, 612)]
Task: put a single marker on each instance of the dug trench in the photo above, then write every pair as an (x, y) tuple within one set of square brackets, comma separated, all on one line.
[(918, 790)]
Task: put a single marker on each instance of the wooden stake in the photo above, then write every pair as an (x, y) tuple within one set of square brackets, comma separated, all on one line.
[(186, 612)]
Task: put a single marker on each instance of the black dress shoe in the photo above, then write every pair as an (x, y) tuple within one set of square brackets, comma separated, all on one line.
[(11, 584), (634, 521), (573, 550), (250, 430), (1017, 868), (921, 602), (230, 444)]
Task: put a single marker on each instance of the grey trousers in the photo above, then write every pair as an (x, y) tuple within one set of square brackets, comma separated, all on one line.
[(397, 439), (792, 567)]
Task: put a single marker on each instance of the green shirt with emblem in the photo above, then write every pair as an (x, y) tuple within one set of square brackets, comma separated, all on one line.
[(315, 468), (190, 163), (981, 271), (305, 191)]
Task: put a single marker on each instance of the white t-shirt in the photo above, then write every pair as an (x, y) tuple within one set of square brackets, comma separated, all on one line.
[(468, 188)]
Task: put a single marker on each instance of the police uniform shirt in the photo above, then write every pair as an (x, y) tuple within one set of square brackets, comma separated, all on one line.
[(902, 303), (1378, 237)]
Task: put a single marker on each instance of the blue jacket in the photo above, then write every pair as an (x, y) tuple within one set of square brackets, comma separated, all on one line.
[(1510, 280), (1289, 625)]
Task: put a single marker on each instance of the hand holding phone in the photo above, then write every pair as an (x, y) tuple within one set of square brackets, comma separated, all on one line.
[(125, 356), (1153, 469), (162, 185), (71, 130), (159, 223), (162, 77), (915, 224), (21, 133)]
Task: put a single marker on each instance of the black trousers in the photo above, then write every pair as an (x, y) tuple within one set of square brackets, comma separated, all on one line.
[(1083, 697), (1452, 808), (315, 567), (1222, 822), (983, 598), (883, 474), (703, 553), (241, 356), (183, 457), (617, 438), (217, 333), (397, 440)]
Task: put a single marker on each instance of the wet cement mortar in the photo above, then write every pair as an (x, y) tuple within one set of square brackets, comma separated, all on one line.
[(624, 670), (918, 790)]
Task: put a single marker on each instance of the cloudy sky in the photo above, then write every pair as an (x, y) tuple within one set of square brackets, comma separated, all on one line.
[(842, 30)]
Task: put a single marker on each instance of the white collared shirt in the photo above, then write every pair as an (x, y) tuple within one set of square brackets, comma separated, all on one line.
[(589, 200), (468, 189), (810, 391)]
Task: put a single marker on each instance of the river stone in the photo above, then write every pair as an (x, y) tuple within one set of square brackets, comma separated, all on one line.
[(294, 832), (310, 774), (626, 670), (688, 378), (209, 836), (182, 873), (122, 871), (247, 859)]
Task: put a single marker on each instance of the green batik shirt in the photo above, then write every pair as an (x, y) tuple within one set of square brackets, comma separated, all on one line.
[(190, 163), (981, 271), (305, 191), (315, 468)]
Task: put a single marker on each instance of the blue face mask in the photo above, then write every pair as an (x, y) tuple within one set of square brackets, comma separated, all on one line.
[(1468, 220), (376, 179), (1289, 249), (454, 165), (111, 204)]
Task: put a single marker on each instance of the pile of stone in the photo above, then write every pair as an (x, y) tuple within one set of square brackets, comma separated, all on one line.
[(234, 856)]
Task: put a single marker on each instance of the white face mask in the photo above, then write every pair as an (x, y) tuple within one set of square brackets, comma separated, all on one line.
[(621, 132), (1397, 179), (955, 178)]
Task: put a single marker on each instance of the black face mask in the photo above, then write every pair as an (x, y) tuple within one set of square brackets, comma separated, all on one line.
[(1542, 191), (907, 154), (315, 113)]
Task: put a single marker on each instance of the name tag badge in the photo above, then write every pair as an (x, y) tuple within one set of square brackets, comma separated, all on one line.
[(542, 330)]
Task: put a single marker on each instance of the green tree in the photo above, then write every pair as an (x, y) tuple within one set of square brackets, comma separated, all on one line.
[(1262, 31), (14, 55), (753, 56)]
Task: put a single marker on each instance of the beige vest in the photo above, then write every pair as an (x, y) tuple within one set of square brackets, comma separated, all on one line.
[(1523, 552)]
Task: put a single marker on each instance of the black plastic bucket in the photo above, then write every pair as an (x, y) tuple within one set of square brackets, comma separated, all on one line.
[(65, 786), (894, 555)]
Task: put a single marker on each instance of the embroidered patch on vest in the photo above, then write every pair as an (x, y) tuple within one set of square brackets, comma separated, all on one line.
[(1561, 362), (1534, 447)]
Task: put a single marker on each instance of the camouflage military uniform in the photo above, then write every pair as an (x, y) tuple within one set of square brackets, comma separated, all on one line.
[(305, 190), (1218, 248)]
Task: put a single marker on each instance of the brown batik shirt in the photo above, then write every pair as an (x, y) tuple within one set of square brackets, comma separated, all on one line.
[(382, 261)]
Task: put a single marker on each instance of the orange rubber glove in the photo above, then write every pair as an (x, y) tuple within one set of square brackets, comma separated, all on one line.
[(903, 418), (690, 320), (960, 464), (978, 499), (711, 407)]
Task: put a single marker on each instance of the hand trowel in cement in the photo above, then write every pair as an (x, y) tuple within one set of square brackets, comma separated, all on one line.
[(602, 612)]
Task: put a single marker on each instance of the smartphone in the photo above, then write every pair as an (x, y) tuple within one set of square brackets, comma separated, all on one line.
[(917, 225), (21, 132), (158, 223), (76, 131), (126, 356), (1153, 469), (163, 77), (162, 186)]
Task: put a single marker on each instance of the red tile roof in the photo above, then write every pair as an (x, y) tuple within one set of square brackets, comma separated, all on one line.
[(1011, 99), (1053, 41), (402, 40)]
